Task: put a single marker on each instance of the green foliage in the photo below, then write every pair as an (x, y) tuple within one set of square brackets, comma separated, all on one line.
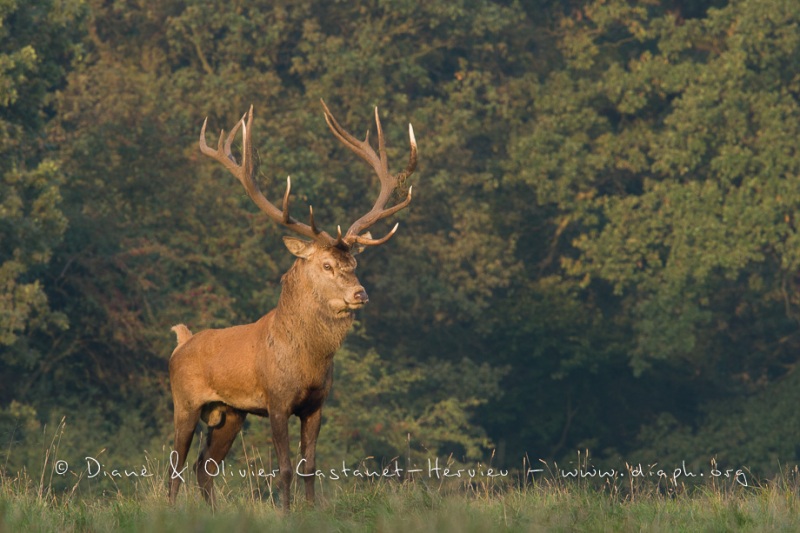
[(674, 160), (395, 424), (734, 431), (30, 224), (666, 149), (34, 39)]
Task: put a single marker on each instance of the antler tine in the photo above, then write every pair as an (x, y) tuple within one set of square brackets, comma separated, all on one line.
[(311, 219), (361, 148), (245, 173), (231, 136), (379, 162), (381, 144), (412, 158), (204, 148), (285, 213), (369, 241)]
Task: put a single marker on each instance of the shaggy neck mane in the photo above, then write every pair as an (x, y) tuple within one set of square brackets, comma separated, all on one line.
[(302, 318)]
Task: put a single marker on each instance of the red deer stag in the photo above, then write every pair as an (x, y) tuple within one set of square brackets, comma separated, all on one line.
[(282, 364)]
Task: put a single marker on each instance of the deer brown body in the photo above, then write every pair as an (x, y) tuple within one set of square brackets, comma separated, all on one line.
[(282, 364)]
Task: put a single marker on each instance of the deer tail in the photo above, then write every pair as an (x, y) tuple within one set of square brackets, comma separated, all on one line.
[(183, 333)]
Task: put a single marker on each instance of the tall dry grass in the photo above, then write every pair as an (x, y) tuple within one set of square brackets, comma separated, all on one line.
[(570, 497)]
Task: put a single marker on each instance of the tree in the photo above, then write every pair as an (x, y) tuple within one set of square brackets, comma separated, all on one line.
[(36, 43), (665, 149)]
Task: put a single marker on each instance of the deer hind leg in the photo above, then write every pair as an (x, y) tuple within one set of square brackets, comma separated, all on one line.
[(309, 431), (228, 423), (185, 423)]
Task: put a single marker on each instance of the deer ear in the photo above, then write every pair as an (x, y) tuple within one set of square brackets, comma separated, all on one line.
[(299, 247), (357, 248)]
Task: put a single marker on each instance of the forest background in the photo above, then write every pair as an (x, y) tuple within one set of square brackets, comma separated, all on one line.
[(602, 252)]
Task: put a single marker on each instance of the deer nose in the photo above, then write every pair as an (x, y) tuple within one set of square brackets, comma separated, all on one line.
[(360, 296)]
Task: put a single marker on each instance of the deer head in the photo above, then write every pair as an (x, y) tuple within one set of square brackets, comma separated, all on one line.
[(330, 271)]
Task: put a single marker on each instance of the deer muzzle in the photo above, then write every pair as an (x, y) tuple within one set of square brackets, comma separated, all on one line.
[(359, 298)]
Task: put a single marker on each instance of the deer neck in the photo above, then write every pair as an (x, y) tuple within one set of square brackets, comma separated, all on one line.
[(304, 322)]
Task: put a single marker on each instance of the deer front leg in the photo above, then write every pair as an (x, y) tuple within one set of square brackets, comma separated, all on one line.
[(280, 439), (309, 431)]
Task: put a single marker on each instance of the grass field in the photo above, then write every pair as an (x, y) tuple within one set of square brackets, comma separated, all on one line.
[(552, 503)]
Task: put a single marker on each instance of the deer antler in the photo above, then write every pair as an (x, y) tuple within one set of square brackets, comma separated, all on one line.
[(245, 173), (389, 182)]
